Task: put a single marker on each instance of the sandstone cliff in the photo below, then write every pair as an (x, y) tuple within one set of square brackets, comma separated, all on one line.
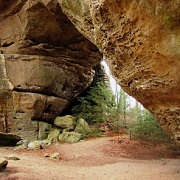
[(44, 64), (140, 41)]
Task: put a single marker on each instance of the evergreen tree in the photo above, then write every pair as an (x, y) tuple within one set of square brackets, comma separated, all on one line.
[(97, 105), (147, 128)]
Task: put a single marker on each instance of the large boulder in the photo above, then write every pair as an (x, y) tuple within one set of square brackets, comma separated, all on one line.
[(53, 136), (82, 127), (70, 137), (65, 122), (140, 41), (44, 64)]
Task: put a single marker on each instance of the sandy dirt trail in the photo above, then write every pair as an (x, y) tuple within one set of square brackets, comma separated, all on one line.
[(87, 160)]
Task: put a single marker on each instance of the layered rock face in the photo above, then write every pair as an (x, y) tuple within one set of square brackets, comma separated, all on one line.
[(44, 64), (140, 41)]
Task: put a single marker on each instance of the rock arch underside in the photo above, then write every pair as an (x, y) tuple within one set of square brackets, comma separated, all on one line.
[(45, 62)]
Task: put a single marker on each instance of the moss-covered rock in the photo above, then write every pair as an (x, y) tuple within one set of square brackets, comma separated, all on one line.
[(70, 137), (54, 135), (65, 122), (82, 127)]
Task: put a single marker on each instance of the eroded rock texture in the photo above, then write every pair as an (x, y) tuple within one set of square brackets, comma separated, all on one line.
[(44, 64), (140, 41)]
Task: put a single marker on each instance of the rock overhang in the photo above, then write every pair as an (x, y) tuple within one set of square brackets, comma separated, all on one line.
[(45, 64), (139, 40)]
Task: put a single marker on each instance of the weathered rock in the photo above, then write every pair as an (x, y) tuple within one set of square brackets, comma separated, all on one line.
[(19, 147), (45, 143), (28, 106), (9, 139), (34, 145), (70, 137), (44, 64), (44, 54), (44, 129), (65, 122), (12, 157), (82, 127), (140, 41), (55, 156), (46, 155), (39, 144), (3, 164), (53, 136), (22, 142)]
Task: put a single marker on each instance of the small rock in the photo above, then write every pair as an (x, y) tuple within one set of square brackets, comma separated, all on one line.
[(34, 145), (3, 164), (46, 155), (12, 157), (23, 146), (55, 156), (45, 143), (39, 144), (22, 142)]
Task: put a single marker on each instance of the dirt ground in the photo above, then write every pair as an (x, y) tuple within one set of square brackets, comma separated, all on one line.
[(95, 159)]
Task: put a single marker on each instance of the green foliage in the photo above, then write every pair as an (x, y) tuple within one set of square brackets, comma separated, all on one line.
[(118, 117), (120, 125), (147, 128), (96, 106), (96, 132), (122, 102)]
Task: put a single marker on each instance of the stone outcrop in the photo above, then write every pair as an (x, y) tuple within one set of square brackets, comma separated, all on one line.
[(82, 127), (69, 129), (44, 64), (44, 57), (65, 122), (8, 139), (140, 41)]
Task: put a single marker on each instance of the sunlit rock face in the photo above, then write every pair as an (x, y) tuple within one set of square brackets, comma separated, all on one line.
[(140, 41), (44, 64)]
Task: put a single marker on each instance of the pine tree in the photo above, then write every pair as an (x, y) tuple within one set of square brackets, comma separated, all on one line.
[(97, 105)]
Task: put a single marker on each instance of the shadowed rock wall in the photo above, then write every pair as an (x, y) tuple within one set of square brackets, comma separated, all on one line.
[(44, 64)]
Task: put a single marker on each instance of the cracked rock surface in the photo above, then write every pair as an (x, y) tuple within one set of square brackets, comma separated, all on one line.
[(44, 64), (44, 59), (140, 41)]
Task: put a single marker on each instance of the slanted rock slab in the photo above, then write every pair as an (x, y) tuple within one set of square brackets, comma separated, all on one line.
[(54, 135), (82, 127), (3, 164)]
